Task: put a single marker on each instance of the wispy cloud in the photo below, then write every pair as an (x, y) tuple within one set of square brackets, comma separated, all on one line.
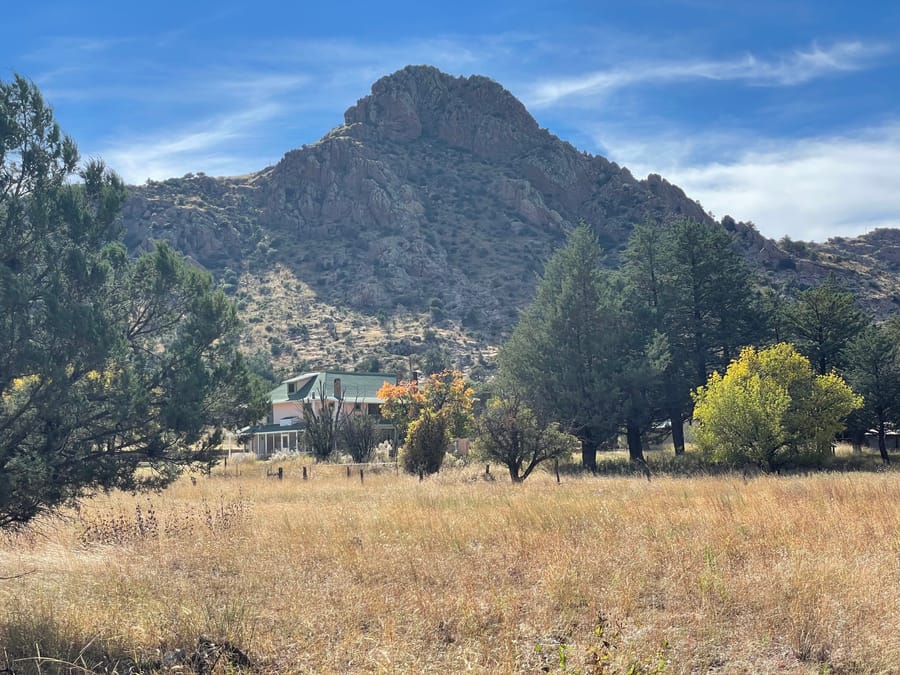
[(73, 47), (811, 188), (201, 147), (223, 117), (254, 85), (308, 78), (796, 68)]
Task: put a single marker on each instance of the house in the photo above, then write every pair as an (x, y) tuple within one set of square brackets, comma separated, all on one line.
[(282, 430)]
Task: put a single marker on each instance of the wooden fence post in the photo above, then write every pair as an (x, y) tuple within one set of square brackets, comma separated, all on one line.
[(556, 466), (360, 475), (280, 473), (304, 473)]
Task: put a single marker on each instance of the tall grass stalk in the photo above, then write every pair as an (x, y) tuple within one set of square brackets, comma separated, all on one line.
[(764, 574)]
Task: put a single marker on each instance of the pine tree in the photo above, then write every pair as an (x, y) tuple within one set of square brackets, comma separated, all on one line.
[(105, 363), (822, 322), (561, 356), (873, 370), (690, 295)]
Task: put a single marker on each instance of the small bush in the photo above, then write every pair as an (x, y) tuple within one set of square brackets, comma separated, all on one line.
[(427, 440)]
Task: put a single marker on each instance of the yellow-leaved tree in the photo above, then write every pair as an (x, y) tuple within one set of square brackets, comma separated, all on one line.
[(771, 408)]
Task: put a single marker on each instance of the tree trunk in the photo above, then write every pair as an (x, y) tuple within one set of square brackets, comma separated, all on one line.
[(857, 439), (882, 445), (635, 447), (589, 455), (677, 432)]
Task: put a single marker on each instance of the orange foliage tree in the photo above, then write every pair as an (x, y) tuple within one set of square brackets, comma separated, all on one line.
[(428, 413)]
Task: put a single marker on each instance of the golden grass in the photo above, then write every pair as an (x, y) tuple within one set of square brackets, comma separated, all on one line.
[(455, 574)]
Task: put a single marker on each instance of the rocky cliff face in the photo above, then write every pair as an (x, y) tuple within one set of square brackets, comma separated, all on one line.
[(439, 197)]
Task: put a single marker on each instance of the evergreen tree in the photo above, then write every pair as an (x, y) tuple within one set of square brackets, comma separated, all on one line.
[(641, 367), (561, 357), (640, 381), (712, 315), (105, 363), (822, 321), (873, 370), (651, 302), (772, 311), (690, 296)]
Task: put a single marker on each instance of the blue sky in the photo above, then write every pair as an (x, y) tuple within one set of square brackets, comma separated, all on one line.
[(784, 113)]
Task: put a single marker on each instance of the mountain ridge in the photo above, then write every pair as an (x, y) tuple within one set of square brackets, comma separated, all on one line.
[(428, 213)]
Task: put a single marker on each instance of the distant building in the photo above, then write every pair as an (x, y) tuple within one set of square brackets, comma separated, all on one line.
[(282, 430)]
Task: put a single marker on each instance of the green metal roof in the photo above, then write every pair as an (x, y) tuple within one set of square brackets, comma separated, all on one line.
[(356, 387)]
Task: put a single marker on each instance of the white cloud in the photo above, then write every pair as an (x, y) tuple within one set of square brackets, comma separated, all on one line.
[(201, 147), (810, 189), (799, 67), (287, 78)]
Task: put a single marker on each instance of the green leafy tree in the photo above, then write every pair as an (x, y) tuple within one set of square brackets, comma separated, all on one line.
[(508, 432), (105, 363), (560, 355), (873, 370), (822, 322), (770, 407)]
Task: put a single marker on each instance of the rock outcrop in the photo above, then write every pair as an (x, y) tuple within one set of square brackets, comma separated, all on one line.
[(437, 194)]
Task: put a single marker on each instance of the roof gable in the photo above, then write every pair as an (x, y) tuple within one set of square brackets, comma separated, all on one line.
[(359, 387)]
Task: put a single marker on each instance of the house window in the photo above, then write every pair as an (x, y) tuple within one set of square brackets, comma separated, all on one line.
[(357, 407), (292, 387)]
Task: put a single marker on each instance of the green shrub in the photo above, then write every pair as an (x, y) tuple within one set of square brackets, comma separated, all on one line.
[(427, 440)]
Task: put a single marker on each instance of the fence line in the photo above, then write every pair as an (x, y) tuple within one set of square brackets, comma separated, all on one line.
[(280, 472)]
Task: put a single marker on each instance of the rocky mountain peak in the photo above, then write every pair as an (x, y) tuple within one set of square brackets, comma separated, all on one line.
[(471, 113), (434, 206)]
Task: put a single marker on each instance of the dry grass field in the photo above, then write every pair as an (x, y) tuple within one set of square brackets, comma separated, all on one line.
[(458, 573)]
